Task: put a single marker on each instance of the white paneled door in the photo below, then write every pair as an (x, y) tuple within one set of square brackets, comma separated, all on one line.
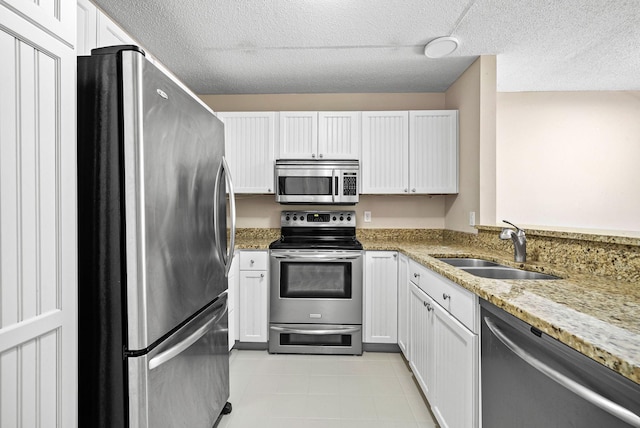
[(38, 280)]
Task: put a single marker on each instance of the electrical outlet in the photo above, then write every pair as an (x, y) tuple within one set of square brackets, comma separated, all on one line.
[(367, 216), (472, 218)]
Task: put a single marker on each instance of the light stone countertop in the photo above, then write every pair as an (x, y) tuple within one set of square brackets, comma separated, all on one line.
[(597, 316)]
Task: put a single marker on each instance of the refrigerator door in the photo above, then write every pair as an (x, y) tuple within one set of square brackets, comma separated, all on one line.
[(184, 381), (173, 147)]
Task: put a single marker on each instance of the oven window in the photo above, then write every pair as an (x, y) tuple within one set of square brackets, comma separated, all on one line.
[(324, 280), (304, 185)]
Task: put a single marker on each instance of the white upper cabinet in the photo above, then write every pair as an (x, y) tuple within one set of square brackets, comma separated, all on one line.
[(319, 135), (109, 33), (385, 152), (433, 151), (249, 147), (298, 135), (412, 152), (86, 27), (339, 135)]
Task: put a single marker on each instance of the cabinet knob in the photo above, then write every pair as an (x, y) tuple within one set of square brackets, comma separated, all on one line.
[(416, 275), (261, 275), (413, 190), (313, 155), (320, 155), (406, 190), (268, 190), (251, 261), (428, 306), (445, 296)]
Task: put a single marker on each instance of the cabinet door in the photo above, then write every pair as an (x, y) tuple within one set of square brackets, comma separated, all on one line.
[(381, 297), (232, 302), (339, 135), (298, 135), (87, 27), (253, 306), (403, 304), (109, 33), (38, 206), (385, 152), (250, 150), (433, 151), (421, 338), (455, 351)]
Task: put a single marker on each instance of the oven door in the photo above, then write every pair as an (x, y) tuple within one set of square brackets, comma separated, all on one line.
[(310, 186), (316, 286)]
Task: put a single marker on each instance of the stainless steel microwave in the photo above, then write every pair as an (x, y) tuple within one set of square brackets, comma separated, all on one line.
[(329, 182)]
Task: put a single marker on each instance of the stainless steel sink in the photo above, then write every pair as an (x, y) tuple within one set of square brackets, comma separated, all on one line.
[(488, 269), (468, 262), (498, 272)]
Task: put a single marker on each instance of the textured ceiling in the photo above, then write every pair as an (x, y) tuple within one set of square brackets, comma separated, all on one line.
[(325, 46)]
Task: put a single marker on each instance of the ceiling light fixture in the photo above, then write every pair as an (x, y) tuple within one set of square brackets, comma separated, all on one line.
[(441, 47)]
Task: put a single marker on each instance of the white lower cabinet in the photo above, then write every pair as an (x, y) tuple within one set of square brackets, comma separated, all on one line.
[(380, 324), (403, 304), (443, 352), (455, 352), (254, 296), (232, 302), (421, 345)]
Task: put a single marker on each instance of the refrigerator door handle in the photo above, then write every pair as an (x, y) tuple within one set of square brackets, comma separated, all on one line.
[(176, 350), (227, 259)]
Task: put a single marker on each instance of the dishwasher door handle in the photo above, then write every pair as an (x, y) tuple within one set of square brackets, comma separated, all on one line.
[(587, 394)]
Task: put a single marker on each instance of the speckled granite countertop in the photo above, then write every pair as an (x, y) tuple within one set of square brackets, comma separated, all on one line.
[(598, 316), (594, 315)]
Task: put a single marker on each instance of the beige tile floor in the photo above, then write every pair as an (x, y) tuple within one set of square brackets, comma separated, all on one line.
[(375, 390)]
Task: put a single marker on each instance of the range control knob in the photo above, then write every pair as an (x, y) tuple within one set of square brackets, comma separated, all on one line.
[(287, 218), (341, 218), (349, 218), (295, 218), (334, 218)]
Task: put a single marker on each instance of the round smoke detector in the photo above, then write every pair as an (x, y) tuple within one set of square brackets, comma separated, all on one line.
[(441, 47)]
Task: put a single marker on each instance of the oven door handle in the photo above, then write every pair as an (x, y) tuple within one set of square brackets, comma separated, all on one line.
[(316, 332), (315, 256)]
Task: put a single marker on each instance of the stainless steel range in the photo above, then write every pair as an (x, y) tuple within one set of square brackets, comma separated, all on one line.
[(316, 284)]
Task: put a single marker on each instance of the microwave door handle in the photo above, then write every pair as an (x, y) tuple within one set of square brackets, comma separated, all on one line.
[(335, 186)]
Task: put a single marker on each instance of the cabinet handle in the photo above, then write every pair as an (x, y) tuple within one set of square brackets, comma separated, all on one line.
[(416, 275), (445, 296), (428, 306), (261, 275)]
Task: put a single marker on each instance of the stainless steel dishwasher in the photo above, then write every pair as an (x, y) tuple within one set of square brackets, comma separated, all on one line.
[(530, 379)]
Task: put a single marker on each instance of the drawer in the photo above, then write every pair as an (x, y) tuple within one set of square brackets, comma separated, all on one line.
[(416, 272), (254, 260), (460, 303)]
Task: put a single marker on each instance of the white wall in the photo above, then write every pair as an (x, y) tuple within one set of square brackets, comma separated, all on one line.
[(569, 159)]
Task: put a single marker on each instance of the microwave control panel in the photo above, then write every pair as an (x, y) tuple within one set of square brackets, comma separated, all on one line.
[(349, 184)]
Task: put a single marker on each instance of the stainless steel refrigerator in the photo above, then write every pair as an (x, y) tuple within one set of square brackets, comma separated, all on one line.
[(153, 257)]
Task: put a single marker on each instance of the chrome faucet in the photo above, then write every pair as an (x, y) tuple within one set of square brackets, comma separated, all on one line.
[(519, 241)]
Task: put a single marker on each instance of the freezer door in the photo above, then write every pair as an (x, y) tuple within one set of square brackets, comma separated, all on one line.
[(184, 381), (173, 147)]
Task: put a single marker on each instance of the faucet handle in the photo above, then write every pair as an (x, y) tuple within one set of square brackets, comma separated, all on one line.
[(516, 227)]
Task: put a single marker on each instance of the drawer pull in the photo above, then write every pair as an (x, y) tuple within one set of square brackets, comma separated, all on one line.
[(416, 275)]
